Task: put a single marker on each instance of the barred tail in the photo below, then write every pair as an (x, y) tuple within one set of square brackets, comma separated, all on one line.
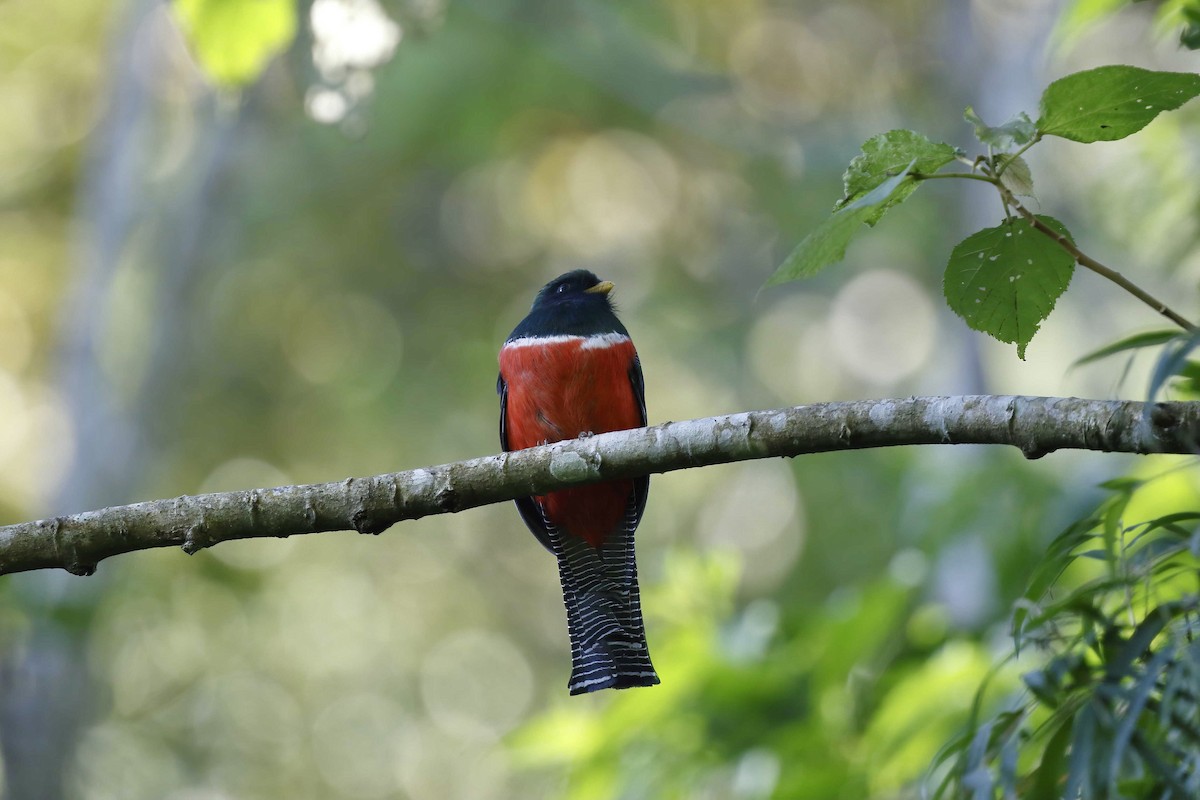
[(604, 612)]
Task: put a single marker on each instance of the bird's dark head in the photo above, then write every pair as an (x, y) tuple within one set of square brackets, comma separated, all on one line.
[(579, 288), (575, 303)]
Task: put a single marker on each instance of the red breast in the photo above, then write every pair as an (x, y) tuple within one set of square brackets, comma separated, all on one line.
[(558, 388)]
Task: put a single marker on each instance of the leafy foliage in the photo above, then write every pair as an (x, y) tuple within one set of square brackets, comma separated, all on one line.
[(1114, 708), (1003, 281), (770, 696)]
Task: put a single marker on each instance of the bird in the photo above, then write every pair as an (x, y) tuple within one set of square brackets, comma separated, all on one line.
[(570, 369)]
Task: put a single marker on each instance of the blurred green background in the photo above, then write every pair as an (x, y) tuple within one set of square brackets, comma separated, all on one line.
[(309, 277)]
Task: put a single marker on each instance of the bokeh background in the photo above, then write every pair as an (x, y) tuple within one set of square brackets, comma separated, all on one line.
[(208, 287)]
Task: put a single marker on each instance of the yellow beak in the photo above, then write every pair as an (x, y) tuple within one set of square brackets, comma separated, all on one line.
[(603, 287)]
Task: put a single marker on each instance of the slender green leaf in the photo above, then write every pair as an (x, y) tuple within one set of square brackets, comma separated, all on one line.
[(827, 244), (1005, 280), (1171, 362), (887, 155), (1135, 342), (1058, 557), (1170, 520), (234, 39), (1010, 753), (976, 776), (1154, 552), (1167, 771), (1081, 602), (1135, 702), (1079, 764), (1049, 774), (1178, 674), (1121, 665), (1126, 485), (1114, 509), (1112, 102)]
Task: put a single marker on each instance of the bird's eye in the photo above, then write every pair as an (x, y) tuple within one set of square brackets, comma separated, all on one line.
[(562, 287)]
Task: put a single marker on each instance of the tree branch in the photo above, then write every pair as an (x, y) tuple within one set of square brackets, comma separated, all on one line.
[(1035, 425)]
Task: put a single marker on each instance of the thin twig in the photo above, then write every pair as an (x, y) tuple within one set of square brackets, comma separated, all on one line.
[(1083, 259), (1095, 266), (1006, 161)]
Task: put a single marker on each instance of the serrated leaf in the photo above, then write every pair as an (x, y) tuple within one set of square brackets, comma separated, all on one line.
[(883, 156), (234, 39), (827, 244), (1017, 177), (1018, 130), (1112, 102), (1135, 342), (1005, 280)]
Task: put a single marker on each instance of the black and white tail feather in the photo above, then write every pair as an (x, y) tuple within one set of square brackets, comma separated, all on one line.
[(604, 609)]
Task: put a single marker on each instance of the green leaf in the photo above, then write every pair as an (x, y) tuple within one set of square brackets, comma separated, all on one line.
[(1079, 765), (1109, 103), (1005, 280), (1048, 776), (827, 244), (1189, 36), (1136, 698), (884, 156), (1016, 176), (1135, 342), (1015, 132), (234, 39), (1171, 362)]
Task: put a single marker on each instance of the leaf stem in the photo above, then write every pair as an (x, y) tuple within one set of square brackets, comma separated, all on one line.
[(922, 176), (1008, 160), (1095, 266)]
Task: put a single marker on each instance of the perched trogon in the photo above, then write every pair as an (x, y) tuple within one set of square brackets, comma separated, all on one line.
[(570, 369)]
